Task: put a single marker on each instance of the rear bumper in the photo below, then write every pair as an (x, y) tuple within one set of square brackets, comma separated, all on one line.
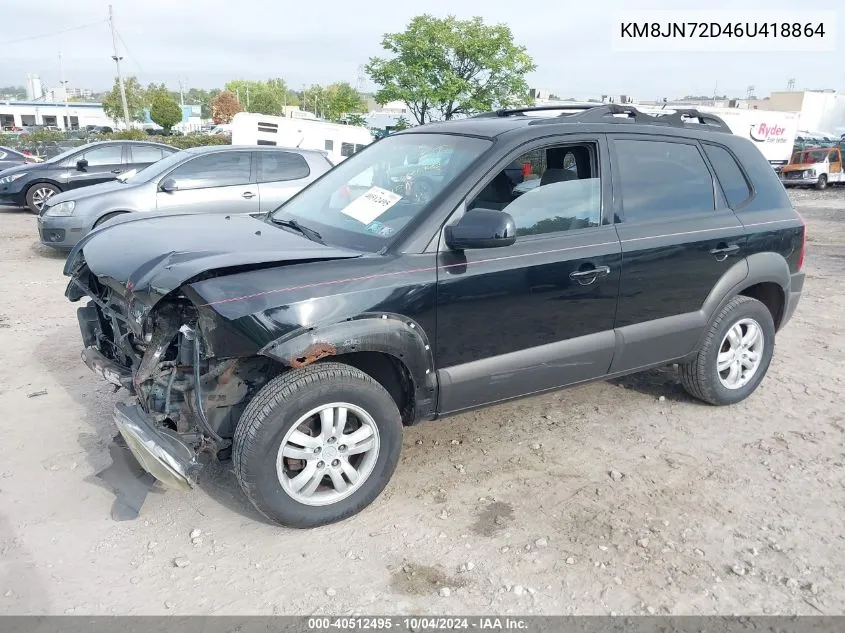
[(158, 451), (796, 286)]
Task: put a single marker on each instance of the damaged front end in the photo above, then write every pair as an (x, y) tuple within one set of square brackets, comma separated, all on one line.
[(187, 401)]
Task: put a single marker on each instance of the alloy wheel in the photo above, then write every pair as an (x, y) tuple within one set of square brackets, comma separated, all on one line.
[(328, 454)]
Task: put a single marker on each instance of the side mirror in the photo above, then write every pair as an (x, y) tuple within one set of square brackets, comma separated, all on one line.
[(169, 185), (481, 228), (81, 164)]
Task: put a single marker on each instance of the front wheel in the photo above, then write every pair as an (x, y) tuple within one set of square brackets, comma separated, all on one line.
[(317, 445), (38, 194), (735, 355), (822, 182)]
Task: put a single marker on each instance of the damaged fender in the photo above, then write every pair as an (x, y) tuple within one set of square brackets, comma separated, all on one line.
[(387, 333)]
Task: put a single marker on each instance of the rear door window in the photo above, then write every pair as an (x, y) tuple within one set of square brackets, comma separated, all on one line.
[(145, 153), (280, 166), (662, 179)]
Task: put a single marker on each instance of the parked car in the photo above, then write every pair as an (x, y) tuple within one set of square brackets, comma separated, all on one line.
[(814, 167), (13, 158), (215, 179), (303, 343), (31, 185)]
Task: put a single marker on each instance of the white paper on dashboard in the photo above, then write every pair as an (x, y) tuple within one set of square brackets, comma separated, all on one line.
[(371, 204)]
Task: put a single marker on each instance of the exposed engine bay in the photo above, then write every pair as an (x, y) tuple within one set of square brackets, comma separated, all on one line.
[(166, 364)]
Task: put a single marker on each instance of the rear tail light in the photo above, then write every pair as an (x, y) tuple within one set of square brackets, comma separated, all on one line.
[(803, 241)]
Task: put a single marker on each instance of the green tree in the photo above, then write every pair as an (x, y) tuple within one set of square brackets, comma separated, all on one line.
[(165, 111), (446, 67), (355, 119), (135, 101), (401, 124), (333, 102), (203, 98), (154, 90), (264, 97)]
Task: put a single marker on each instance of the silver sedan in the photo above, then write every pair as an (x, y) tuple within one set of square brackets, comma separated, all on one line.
[(215, 179)]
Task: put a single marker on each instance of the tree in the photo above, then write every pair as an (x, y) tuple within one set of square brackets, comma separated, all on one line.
[(165, 111), (401, 124), (135, 101), (356, 119), (224, 106), (449, 67), (334, 101), (264, 97), (154, 90)]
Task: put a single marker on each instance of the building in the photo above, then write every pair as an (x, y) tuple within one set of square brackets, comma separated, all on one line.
[(16, 114), (34, 89), (80, 93)]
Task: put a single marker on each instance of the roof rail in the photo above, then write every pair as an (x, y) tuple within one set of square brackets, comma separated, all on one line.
[(503, 112), (615, 113)]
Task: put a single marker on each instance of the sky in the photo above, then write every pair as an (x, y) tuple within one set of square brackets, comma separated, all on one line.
[(206, 43)]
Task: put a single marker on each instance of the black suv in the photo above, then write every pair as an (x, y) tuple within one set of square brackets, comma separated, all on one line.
[(32, 184), (551, 251)]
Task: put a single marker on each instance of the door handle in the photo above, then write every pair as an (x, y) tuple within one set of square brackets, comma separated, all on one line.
[(247, 195), (586, 277), (723, 252), (117, 171)]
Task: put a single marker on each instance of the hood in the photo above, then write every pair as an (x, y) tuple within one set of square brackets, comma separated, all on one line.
[(154, 254), (800, 166), (20, 168), (83, 193)]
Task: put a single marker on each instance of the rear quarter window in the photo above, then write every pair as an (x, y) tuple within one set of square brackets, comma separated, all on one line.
[(729, 174)]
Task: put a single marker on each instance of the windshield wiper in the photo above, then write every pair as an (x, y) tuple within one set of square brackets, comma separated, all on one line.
[(311, 234)]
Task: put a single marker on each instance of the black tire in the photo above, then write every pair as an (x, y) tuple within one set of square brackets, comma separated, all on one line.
[(106, 218), (273, 412), (32, 193), (700, 377), (822, 182)]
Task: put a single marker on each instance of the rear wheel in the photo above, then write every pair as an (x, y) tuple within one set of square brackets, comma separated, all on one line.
[(38, 194), (317, 445), (735, 355)]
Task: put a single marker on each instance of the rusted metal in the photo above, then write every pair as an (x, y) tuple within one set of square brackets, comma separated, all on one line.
[(313, 353)]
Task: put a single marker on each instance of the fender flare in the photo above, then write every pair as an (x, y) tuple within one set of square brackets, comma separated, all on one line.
[(388, 333), (758, 268)]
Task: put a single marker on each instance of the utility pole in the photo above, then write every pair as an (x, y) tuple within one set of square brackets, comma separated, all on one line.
[(181, 93), (64, 84), (247, 97), (117, 59), (790, 85)]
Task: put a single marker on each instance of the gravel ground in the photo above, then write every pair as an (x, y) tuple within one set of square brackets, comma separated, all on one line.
[(618, 497)]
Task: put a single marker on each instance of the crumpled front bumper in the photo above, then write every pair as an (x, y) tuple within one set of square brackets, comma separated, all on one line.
[(158, 451)]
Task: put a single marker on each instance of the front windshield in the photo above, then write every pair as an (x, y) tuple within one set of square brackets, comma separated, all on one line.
[(156, 169), (368, 198)]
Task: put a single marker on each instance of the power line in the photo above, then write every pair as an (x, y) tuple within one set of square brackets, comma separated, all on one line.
[(128, 53), (35, 37)]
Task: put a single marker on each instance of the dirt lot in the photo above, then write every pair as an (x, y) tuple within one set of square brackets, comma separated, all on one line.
[(623, 497)]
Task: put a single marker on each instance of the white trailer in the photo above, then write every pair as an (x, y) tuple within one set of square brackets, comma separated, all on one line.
[(772, 132), (339, 141)]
